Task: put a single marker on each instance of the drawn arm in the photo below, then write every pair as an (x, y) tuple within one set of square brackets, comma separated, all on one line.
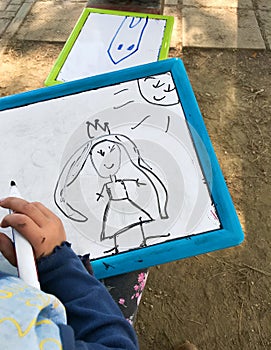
[(137, 181), (100, 194), (68, 175)]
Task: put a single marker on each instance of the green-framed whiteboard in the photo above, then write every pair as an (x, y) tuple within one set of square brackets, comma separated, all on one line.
[(103, 41)]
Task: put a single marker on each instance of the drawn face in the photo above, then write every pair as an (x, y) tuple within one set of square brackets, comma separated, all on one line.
[(126, 40), (158, 90), (106, 158)]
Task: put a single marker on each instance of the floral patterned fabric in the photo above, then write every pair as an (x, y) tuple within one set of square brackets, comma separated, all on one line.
[(127, 291)]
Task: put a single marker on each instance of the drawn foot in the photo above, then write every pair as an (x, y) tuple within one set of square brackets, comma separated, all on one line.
[(143, 244), (112, 249), (152, 237)]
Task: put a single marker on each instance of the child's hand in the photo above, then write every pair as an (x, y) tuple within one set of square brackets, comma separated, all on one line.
[(42, 228)]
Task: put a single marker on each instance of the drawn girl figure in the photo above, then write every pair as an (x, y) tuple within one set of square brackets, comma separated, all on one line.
[(106, 159), (122, 213)]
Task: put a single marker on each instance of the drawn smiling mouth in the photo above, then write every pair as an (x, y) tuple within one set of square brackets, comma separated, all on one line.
[(109, 167), (158, 99)]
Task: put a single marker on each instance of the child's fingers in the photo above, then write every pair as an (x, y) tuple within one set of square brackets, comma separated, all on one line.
[(44, 210), (22, 206), (24, 225), (41, 227), (7, 249)]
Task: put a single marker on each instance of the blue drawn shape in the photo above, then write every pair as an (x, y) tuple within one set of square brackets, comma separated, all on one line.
[(127, 39)]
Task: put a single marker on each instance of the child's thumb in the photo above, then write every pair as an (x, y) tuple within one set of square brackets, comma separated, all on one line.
[(7, 249)]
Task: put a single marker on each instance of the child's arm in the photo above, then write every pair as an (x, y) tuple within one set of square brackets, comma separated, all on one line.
[(91, 311), (93, 315)]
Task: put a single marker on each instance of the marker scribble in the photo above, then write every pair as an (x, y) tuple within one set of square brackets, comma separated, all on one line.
[(133, 127), (124, 104), (127, 39), (168, 121), (120, 91)]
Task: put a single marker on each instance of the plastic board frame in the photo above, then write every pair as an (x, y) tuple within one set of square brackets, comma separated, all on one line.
[(227, 235), (52, 78)]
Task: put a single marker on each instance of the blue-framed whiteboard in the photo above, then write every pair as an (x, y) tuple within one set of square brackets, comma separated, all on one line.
[(125, 160)]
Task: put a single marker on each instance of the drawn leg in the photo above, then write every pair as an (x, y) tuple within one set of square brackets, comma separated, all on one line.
[(103, 236), (144, 242), (115, 248), (115, 244)]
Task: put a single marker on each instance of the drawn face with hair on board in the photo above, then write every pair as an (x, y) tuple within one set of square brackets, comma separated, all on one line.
[(159, 90), (106, 158)]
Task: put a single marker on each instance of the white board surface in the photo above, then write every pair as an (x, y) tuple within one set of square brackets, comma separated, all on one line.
[(110, 42), (139, 178)]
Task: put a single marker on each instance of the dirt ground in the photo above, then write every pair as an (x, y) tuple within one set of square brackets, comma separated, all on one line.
[(220, 300)]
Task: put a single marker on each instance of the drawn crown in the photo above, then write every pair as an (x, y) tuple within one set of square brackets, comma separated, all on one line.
[(97, 129)]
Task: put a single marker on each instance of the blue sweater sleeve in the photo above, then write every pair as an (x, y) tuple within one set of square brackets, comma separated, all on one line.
[(94, 320)]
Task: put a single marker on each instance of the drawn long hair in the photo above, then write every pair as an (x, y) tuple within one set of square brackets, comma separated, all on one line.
[(76, 162)]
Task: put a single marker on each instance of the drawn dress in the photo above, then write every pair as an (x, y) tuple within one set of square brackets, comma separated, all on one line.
[(121, 213)]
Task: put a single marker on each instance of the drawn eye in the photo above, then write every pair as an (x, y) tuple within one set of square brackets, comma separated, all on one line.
[(101, 152), (112, 148), (169, 89), (129, 48), (158, 85)]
